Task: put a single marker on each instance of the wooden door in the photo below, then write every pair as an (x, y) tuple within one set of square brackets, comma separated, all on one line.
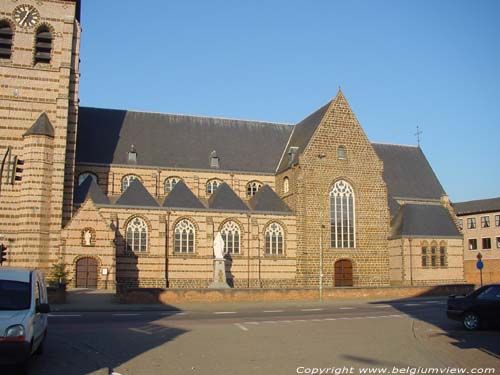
[(343, 273), (86, 273)]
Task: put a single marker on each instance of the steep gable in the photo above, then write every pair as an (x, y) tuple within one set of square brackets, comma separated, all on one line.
[(266, 200), (182, 197), (224, 198), (89, 188), (136, 195)]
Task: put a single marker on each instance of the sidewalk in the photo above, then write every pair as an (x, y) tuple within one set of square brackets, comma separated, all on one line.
[(89, 300)]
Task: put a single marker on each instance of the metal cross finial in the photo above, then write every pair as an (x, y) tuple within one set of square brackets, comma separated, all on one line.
[(418, 133)]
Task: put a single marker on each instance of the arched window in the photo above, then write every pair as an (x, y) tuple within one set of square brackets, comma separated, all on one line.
[(274, 239), (127, 180), (253, 187), (424, 254), (433, 254), (6, 35), (184, 237), (83, 176), (442, 254), (212, 185), (342, 215), (231, 235), (43, 45), (170, 183), (286, 185), (341, 152), (137, 235)]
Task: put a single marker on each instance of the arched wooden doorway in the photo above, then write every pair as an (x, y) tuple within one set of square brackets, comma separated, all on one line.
[(343, 273), (86, 273)]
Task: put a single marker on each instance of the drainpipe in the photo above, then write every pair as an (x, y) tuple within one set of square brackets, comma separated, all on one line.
[(258, 244), (167, 230), (248, 251), (411, 262)]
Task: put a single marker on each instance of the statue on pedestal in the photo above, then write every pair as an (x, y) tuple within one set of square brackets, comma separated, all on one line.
[(220, 281)]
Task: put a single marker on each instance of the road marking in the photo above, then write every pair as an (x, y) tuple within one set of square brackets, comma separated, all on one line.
[(224, 312), (300, 320), (273, 311), (315, 320), (141, 331), (241, 326), (175, 313), (126, 314), (432, 301), (287, 321), (64, 315), (255, 323), (412, 304), (311, 310), (346, 308), (382, 306), (269, 321)]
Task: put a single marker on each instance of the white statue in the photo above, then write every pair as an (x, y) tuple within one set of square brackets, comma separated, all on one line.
[(87, 236), (218, 246)]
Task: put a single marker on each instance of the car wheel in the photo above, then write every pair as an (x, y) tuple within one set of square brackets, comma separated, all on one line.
[(471, 321), (39, 350)]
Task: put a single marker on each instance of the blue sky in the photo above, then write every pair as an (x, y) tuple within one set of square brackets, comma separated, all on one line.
[(435, 64)]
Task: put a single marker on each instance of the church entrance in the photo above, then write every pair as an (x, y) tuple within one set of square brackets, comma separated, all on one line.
[(86, 273), (343, 273)]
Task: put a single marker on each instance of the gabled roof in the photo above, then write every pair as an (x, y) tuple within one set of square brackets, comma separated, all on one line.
[(477, 206), (89, 188), (136, 195), (224, 198), (182, 197), (268, 201), (42, 126), (419, 220), (407, 172), (179, 141)]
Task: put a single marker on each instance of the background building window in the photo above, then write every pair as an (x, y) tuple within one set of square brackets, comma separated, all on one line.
[(137, 235), (170, 183), (485, 221), (424, 256), (433, 256), (497, 220), (231, 235), (341, 152), (253, 187), (486, 243), (460, 223), (127, 180), (212, 185), (184, 237), (274, 239), (442, 254), (5, 40), (342, 211), (472, 244), (471, 223), (286, 185), (83, 176), (498, 242), (43, 45)]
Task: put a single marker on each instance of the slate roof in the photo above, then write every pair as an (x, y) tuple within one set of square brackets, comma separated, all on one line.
[(136, 195), (407, 172), (419, 220), (42, 126), (89, 188), (182, 197), (477, 206), (179, 141), (224, 198), (267, 200)]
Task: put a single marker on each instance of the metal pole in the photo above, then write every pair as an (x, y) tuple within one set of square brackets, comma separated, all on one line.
[(481, 275)]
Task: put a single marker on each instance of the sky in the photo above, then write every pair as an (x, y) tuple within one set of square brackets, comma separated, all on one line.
[(400, 64)]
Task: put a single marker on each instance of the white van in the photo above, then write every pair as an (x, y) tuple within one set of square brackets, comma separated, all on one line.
[(23, 314)]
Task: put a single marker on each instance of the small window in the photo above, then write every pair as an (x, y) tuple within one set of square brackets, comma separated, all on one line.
[(471, 223), (341, 152), (212, 185), (170, 183), (498, 242), (6, 35), (253, 187), (485, 221), (497, 220), (442, 256), (433, 256), (424, 256), (132, 155), (214, 160), (83, 176), (286, 185), (43, 45), (460, 224), (472, 244), (486, 243), (127, 180)]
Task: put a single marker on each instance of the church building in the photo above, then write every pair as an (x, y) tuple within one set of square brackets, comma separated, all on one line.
[(127, 198)]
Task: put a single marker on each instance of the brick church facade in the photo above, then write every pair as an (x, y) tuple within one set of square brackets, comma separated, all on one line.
[(136, 199)]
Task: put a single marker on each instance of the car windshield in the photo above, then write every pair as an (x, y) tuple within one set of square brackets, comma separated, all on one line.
[(14, 295)]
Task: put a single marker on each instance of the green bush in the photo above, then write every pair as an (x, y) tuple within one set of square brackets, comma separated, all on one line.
[(58, 275)]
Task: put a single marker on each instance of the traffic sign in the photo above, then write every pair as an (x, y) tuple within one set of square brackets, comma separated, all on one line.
[(479, 265)]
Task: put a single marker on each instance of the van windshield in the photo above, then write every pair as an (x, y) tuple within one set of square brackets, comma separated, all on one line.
[(14, 295)]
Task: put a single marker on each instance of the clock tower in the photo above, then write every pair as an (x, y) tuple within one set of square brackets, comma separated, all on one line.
[(39, 75)]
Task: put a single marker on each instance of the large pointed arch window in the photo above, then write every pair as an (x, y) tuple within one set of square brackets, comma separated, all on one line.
[(184, 237), (342, 215), (231, 235), (137, 235), (274, 239)]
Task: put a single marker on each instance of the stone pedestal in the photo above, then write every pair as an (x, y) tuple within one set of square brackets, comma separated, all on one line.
[(220, 281)]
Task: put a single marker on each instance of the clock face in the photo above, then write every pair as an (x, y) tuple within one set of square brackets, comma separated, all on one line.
[(26, 15)]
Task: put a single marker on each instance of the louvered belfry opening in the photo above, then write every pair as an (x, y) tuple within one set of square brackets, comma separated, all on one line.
[(43, 45), (5, 40)]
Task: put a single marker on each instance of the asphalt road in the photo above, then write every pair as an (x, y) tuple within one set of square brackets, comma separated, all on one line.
[(265, 339)]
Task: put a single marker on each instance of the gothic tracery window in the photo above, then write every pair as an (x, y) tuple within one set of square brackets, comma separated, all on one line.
[(253, 187), (342, 215), (127, 180), (212, 185), (170, 183), (184, 237), (137, 235), (231, 235), (274, 239)]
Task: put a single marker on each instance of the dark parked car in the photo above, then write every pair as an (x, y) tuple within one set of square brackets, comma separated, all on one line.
[(477, 309)]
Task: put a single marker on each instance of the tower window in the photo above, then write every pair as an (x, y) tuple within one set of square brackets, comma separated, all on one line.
[(341, 153), (5, 40), (286, 185), (43, 45)]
